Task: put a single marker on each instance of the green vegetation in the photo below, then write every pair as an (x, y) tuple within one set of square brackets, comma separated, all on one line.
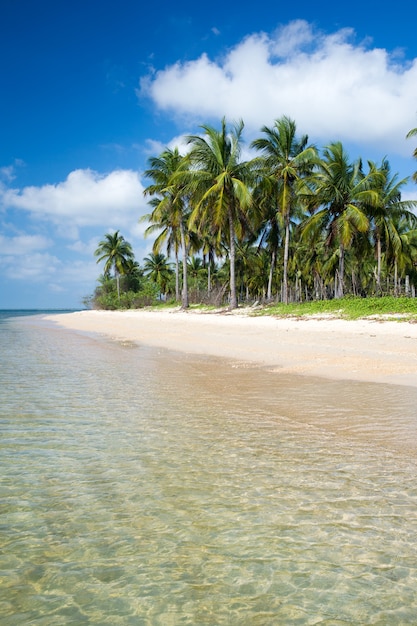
[(413, 133), (387, 307), (118, 256), (294, 229)]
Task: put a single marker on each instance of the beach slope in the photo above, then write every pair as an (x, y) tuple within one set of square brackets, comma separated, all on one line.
[(366, 350)]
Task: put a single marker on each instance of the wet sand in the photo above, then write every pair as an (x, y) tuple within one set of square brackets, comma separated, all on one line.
[(363, 350)]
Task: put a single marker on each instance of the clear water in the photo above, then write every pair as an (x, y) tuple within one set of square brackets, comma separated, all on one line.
[(142, 487)]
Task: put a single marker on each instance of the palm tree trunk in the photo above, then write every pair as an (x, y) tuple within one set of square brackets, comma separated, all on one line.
[(316, 284), (378, 271), (118, 284), (286, 254), (271, 275), (340, 287), (353, 279), (185, 303), (232, 255), (177, 276)]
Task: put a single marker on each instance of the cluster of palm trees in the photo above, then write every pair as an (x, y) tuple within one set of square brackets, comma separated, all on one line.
[(291, 223), (124, 283), (120, 266)]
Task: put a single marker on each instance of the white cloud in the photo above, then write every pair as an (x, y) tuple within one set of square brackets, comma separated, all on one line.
[(293, 37), (409, 195), (156, 147), (333, 88), (86, 201), (84, 247), (34, 266), (8, 172), (23, 259), (22, 244), (85, 198), (153, 147), (79, 271)]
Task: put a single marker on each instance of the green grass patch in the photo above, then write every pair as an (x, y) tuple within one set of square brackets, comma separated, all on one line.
[(401, 309), (203, 307), (174, 306)]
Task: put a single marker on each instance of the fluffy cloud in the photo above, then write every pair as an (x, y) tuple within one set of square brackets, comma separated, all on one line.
[(33, 266), (22, 244), (23, 258), (86, 201), (85, 198), (333, 88), (8, 173), (154, 147)]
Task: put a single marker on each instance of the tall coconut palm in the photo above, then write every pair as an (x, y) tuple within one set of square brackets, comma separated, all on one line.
[(341, 192), (246, 254), (389, 209), (159, 270), (268, 223), (210, 248), (286, 160), (219, 184), (402, 256), (133, 276), (197, 273), (117, 254), (258, 275), (168, 236), (413, 133), (311, 259), (170, 213)]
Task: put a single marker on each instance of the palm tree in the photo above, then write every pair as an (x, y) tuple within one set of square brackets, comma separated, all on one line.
[(219, 186), (269, 229), (197, 273), (342, 191), (258, 274), (170, 212), (246, 254), (168, 236), (210, 248), (286, 160), (413, 133), (117, 254), (133, 276), (158, 269), (311, 259), (388, 210), (402, 257)]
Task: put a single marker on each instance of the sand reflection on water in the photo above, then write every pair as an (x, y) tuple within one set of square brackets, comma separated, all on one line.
[(146, 487)]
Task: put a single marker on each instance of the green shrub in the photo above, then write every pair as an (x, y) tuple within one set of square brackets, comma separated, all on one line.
[(109, 301), (349, 307)]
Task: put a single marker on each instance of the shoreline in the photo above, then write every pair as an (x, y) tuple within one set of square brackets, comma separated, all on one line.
[(360, 350)]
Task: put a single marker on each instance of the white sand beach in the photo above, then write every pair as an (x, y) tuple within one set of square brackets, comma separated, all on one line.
[(365, 350)]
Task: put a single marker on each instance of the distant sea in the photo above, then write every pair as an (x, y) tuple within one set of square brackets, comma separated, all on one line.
[(144, 487), (6, 313)]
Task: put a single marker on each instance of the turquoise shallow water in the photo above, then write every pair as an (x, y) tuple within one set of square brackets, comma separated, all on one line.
[(145, 487)]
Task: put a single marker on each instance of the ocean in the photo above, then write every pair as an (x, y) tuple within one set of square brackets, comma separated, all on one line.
[(144, 487)]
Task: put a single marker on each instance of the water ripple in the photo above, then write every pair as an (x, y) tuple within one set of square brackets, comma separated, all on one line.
[(144, 488)]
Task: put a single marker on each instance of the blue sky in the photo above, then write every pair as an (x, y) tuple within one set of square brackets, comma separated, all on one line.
[(90, 89)]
